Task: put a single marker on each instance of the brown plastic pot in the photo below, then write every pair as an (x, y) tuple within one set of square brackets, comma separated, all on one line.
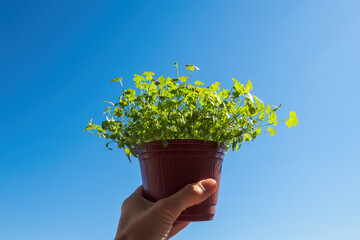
[(165, 171)]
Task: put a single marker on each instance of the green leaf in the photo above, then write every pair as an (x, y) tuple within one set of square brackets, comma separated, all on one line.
[(130, 94), (237, 86), (183, 78), (161, 79), (88, 127), (138, 78), (293, 120), (128, 153), (191, 67), (261, 116), (118, 112), (107, 145), (117, 79), (149, 75), (247, 137), (199, 83), (94, 127), (105, 125), (249, 85), (273, 119), (268, 110), (272, 131)]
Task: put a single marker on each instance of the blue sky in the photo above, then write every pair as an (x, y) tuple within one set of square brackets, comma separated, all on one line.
[(57, 60)]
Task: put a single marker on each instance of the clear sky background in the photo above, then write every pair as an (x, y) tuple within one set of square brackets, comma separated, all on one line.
[(56, 62)]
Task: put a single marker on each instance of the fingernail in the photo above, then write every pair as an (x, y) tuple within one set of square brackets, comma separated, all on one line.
[(208, 185), (199, 189)]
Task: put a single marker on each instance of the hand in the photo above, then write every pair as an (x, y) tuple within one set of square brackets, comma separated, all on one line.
[(144, 220)]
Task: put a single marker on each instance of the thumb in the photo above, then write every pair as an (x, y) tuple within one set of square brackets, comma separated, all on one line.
[(170, 208)]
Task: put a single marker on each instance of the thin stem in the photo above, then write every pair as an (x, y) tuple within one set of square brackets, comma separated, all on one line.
[(177, 71), (190, 74), (122, 85), (271, 123)]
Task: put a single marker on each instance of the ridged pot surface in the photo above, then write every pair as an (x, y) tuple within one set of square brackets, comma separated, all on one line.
[(165, 171)]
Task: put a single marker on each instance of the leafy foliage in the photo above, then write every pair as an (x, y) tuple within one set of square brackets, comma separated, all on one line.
[(172, 108)]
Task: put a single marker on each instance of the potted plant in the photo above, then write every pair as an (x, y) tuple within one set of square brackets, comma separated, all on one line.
[(180, 131)]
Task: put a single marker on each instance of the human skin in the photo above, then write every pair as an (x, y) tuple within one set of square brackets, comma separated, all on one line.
[(144, 220)]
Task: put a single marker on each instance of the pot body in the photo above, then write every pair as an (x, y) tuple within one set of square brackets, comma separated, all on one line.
[(165, 171)]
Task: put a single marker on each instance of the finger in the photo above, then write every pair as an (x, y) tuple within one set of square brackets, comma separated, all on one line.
[(188, 196), (192, 194), (177, 227)]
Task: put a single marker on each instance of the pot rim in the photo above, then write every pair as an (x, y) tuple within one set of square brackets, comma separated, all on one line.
[(182, 141)]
